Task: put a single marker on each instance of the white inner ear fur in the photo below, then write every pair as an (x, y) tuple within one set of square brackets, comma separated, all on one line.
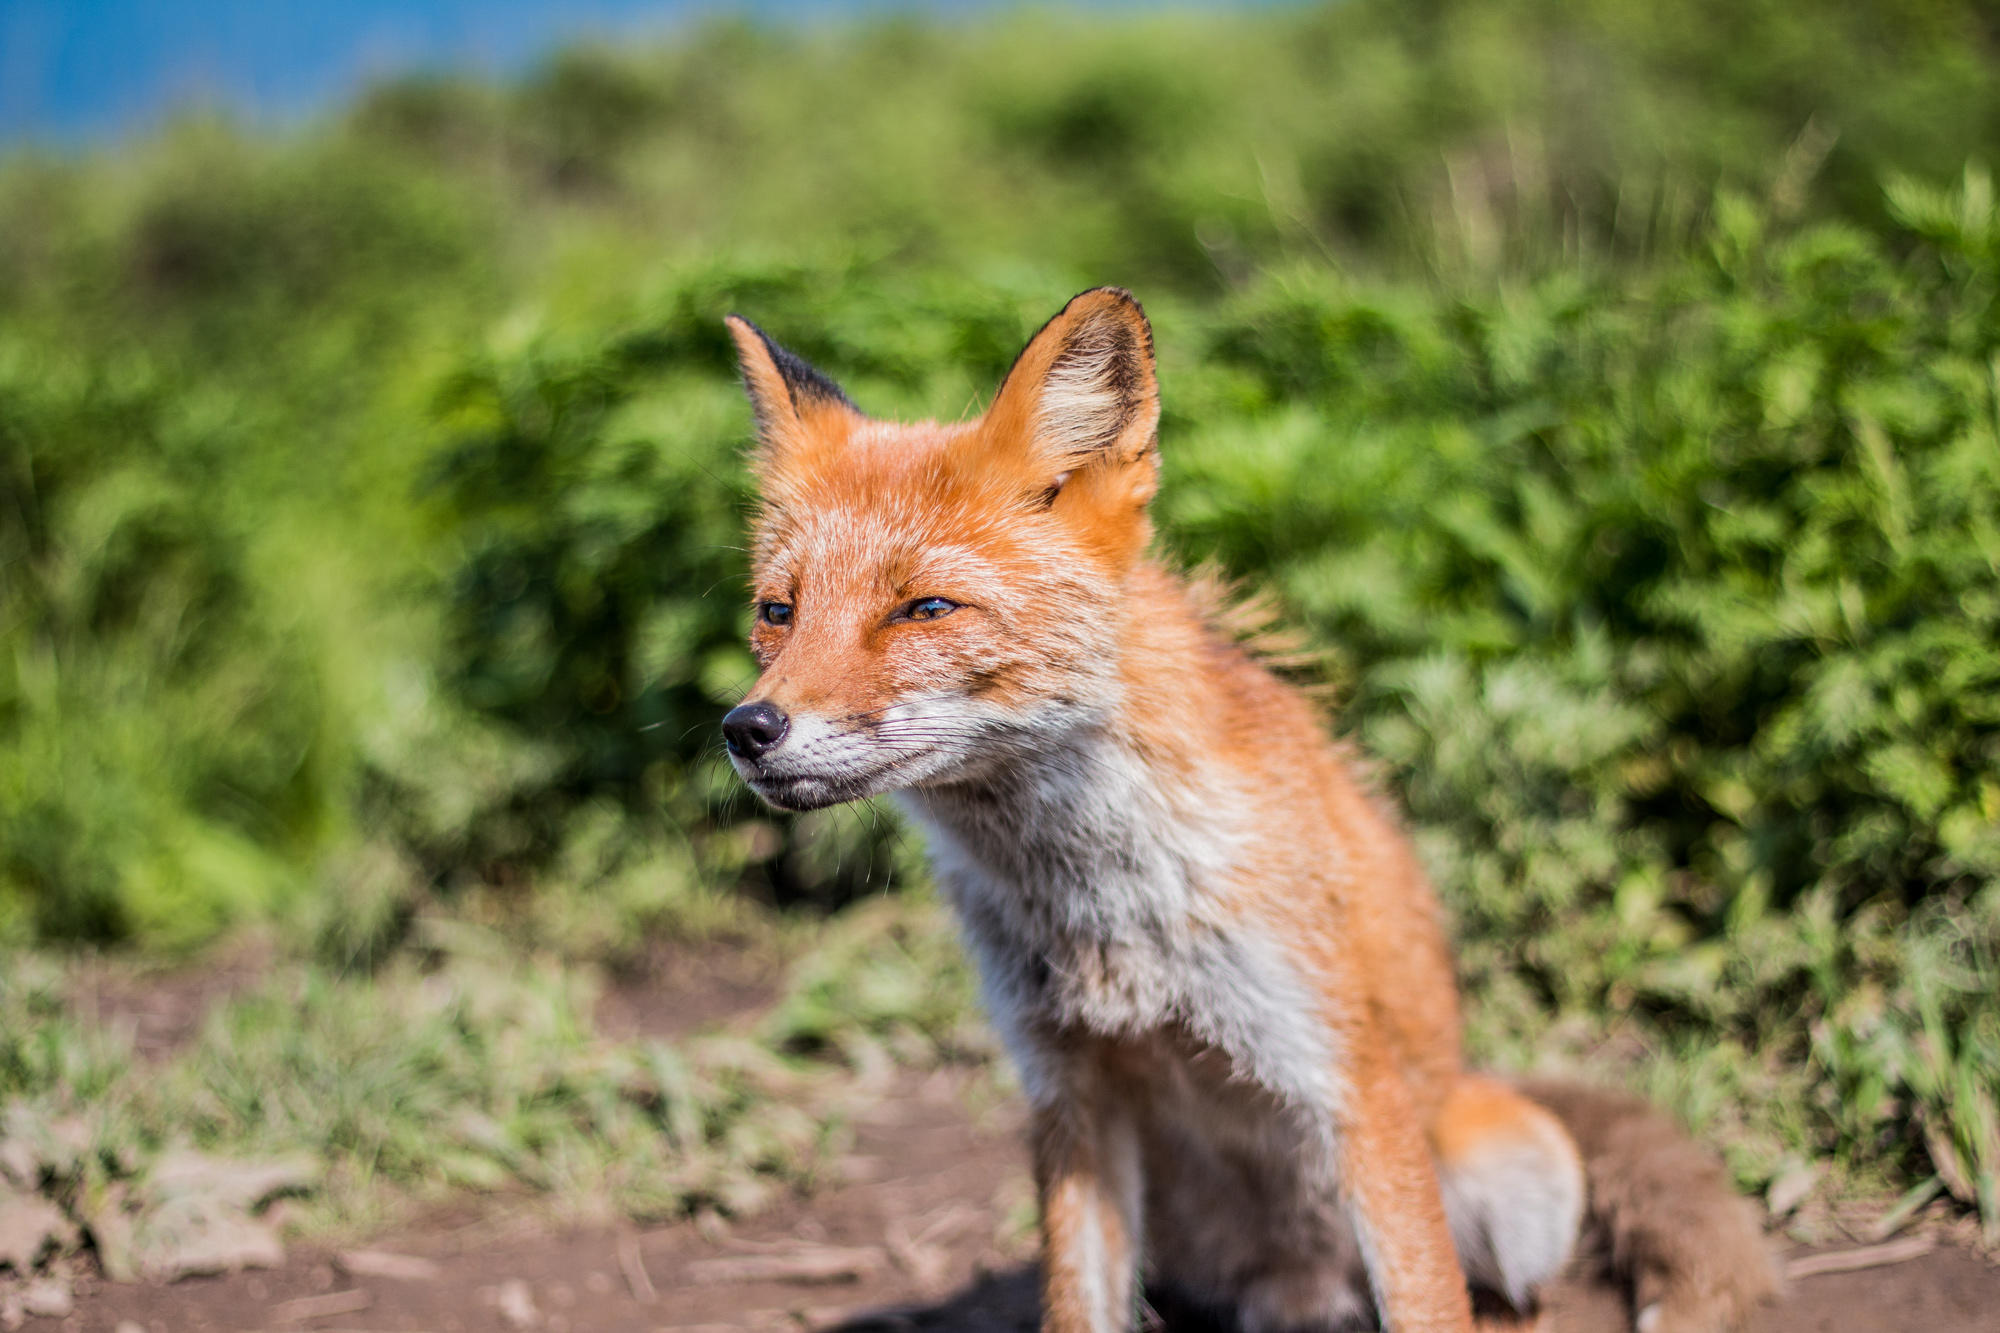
[(1090, 392)]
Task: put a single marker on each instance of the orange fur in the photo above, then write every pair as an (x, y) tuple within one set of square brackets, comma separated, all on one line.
[(1203, 936)]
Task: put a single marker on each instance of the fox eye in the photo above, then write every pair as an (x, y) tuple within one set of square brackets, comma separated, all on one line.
[(774, 613), (929, 608)]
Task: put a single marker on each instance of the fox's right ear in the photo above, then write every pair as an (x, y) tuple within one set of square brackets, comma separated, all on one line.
[(792, 401)]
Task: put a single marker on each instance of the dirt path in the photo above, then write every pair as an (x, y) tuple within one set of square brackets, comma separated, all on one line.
[(926, 1226), (925, 1230), (932, 1201)]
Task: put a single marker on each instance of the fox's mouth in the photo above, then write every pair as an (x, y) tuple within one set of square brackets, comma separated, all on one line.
[(815, 791), (815, 763), (807, 791)]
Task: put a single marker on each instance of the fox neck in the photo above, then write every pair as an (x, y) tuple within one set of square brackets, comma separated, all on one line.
[(1108, 825), (1069, 841), (1097, 877)]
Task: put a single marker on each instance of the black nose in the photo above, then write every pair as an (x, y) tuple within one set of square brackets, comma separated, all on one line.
[(751, 729)]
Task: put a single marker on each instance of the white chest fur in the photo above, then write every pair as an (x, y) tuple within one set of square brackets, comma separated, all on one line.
[(1091, 896)]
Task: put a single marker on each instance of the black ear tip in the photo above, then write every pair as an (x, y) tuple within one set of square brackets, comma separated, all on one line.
[(802, 382)]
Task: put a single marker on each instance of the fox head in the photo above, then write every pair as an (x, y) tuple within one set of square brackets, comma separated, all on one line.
[(933, 599)]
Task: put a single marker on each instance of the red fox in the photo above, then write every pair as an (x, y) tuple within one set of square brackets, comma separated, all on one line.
[(1203, 938)]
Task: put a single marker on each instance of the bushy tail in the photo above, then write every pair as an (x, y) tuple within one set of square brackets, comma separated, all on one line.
[(1662, 1209)]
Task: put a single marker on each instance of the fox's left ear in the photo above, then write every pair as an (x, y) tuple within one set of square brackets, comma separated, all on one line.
[(1081, 407), (794, 404)]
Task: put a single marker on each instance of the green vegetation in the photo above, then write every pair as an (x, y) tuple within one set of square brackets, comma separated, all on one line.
[(1612, 390), (466, 1063)]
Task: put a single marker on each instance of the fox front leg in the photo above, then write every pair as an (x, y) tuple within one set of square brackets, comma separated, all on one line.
[(1397, 1207), (1087, 1178)]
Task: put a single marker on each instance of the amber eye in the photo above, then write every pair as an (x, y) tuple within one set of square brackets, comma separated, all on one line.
[(775, 613), (930, 608)]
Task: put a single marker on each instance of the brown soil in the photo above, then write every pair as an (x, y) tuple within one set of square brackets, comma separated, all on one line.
[(162, 1008), (926, 1230), (926, 1227), (680, 988)]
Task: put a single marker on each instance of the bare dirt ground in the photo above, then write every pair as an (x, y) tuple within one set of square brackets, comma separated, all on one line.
[(925, 1227)]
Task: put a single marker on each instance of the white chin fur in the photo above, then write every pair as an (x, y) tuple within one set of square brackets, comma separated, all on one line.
[(818, 765), (913, 744), (806, 793)]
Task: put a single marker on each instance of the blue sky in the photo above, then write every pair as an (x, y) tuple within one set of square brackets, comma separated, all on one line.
[(74, 70)]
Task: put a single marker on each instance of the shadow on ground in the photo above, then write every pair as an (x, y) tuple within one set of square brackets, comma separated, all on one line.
[(1005, 1303), (1945, 1291), (997, 1303)]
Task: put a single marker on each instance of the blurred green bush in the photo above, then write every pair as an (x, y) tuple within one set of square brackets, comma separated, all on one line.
[(1610, 388)]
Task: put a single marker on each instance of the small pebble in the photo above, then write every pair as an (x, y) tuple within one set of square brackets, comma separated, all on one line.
[(49, 1300), (517, 1304)]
